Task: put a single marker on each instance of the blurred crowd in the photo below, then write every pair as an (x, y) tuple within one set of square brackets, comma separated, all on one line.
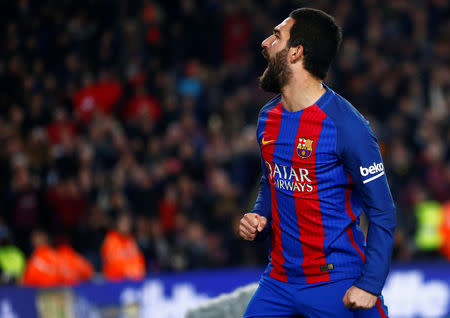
[(131, 124)]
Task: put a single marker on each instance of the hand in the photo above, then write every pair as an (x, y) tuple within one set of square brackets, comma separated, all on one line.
[(250, 225), (357, 298)]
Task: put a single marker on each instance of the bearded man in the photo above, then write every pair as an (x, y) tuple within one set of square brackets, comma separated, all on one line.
[(321, 169)]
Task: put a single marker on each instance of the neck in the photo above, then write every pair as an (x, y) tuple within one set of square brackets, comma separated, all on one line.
[(301, 92)]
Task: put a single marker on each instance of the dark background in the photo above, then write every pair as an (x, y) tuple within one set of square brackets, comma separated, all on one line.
[(150, 107)]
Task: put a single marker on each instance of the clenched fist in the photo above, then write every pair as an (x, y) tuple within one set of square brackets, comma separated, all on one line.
[(250, 225), (357, 298)]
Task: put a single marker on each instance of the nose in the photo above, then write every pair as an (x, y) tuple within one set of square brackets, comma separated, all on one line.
[(267, 42)]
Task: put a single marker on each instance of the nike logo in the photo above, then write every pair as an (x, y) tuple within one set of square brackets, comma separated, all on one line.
[(265, 142)]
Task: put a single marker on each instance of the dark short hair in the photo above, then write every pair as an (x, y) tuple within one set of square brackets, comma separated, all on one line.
[(320, 37)]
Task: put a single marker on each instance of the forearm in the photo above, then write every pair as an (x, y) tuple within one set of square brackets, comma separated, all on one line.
[(262, 208), (380, 241), (263, 203)]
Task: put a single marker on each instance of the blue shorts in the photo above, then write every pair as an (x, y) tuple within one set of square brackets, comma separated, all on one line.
[(278, 299)]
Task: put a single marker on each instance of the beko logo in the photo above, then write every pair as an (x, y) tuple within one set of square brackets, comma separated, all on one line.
[(375, 168)]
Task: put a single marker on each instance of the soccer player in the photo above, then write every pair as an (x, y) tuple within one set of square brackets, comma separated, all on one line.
[(321, 168)]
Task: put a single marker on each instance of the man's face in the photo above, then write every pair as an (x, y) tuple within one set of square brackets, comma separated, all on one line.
[(124, 224), (275, 50)]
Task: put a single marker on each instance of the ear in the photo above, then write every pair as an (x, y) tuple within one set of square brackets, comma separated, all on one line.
[(296, 53)]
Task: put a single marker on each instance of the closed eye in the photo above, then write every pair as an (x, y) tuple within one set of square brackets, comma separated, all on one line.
[(276, 33)]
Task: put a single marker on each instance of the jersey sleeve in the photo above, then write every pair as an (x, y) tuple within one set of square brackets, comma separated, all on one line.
[(263, 201), (361, 157), (263, 204)]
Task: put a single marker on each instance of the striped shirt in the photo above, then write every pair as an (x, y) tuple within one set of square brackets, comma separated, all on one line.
[(321, 168)]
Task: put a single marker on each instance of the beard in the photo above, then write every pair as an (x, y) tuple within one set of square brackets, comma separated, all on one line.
[(277, 73)]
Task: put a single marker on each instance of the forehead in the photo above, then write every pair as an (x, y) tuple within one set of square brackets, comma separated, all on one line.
[(285, 26)]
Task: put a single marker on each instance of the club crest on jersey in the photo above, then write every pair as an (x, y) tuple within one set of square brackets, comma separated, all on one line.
[(304, 147)]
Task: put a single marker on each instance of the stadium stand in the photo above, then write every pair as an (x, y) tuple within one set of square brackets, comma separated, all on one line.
[(150, 108)]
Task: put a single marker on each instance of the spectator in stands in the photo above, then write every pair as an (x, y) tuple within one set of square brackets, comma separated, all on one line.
[(12, 259), (429, 237), (23, 202), (445, 230), (132, 112), (68, 205), (50, 267), (92, 234), (74, 267), (121, 256), (42, 268)]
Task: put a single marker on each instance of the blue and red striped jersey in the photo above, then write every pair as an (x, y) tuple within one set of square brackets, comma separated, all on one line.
[(321, 169)]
